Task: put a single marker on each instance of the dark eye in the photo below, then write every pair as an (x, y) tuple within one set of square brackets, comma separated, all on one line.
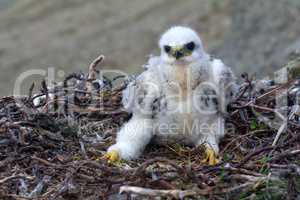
[(167, 48), (190, 46)]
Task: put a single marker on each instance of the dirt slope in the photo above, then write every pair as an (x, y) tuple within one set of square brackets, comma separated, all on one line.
[(68, 34), (250, 35)]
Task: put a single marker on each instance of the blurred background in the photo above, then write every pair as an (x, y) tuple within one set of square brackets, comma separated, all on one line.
[(249, 35)]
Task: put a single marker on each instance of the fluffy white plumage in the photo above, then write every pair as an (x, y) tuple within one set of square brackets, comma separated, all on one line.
[(182, 92)]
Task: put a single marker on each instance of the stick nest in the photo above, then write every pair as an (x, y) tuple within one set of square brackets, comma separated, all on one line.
[(52, 143)]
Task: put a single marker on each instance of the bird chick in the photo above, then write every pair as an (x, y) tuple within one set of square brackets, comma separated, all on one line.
[(184, 91)]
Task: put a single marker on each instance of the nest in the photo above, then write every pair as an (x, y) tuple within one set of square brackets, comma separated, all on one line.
[(52, 143)]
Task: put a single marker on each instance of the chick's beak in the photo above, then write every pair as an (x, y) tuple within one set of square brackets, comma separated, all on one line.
[(178, 55), (177, 52)]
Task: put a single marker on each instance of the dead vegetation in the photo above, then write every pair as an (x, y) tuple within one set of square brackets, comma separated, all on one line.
[(52, 143)]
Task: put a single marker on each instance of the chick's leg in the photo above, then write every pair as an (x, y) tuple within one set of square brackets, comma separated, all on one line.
[(112, 156), (211, 149), (211, 139), (131, 139), (210, 155)]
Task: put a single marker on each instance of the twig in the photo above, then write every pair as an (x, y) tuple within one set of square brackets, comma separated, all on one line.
[(83, 151), (285, 154), (279, 132), (92, 68), (31, 93), (256, 152), (46, 92), (65, 85), (45, 162), (16, 177), (38, 189), (177, 194), (92, 75)]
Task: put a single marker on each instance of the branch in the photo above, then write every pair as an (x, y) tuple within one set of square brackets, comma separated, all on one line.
[(92, 68), (92, 75), (177, 194), (16, 176)]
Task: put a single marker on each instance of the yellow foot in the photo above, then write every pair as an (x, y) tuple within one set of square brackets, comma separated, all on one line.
[(112, 156), (210, 157)]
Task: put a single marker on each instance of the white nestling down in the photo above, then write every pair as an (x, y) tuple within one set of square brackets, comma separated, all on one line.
[(182, 92)]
